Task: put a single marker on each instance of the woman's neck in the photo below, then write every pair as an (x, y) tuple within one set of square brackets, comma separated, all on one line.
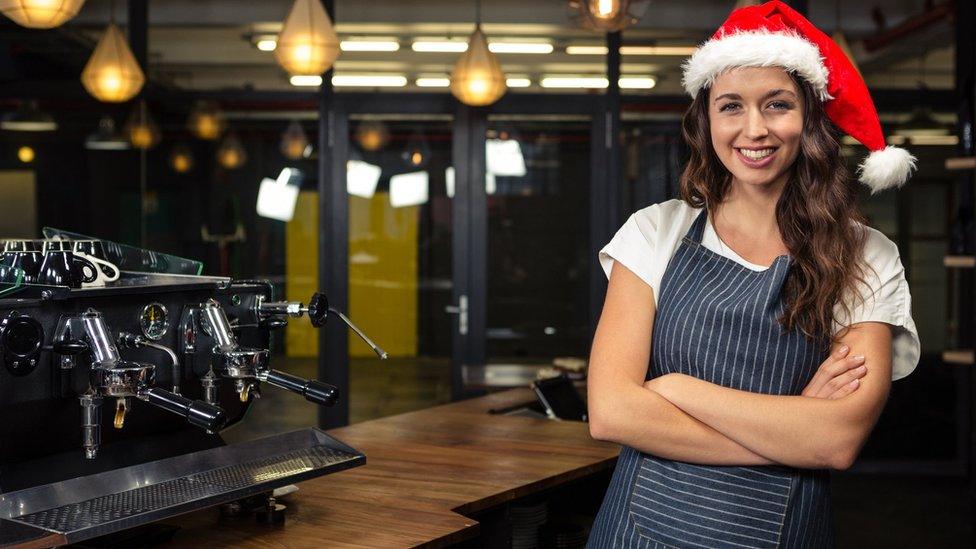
[(751, 209)]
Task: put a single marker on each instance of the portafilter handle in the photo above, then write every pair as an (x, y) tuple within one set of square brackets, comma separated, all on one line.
[(197, 412), (315, 391)]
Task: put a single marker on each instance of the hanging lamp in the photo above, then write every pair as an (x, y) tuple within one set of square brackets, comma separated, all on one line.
[(105, 138), (293, 141), (308, 43), (40, 14), (25, 154), (607, 15), (372, 135), (231, 154), (141, 129), (478, 79), (112, 74), (28, 118), (181, 158), (206, 120), (417, 152)]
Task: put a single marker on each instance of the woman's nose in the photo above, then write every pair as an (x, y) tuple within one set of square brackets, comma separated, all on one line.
[(756, 125)]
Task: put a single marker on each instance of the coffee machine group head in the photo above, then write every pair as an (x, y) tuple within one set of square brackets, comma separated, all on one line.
[(86, 335)]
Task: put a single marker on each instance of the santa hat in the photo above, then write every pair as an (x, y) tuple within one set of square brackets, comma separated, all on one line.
[(773, 34)]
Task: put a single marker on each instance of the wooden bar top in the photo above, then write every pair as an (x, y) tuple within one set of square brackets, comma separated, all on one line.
[(424, 472)]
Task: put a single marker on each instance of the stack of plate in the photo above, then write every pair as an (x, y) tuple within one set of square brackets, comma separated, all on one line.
[(564, 535), (526, 521)]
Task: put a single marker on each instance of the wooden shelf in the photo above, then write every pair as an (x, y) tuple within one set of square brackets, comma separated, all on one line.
[(959, 261), (961, 163), (959, 356)]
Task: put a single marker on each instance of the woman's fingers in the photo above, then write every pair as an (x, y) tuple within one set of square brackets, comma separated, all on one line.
[(846, 383), (831, 367), (847, 389)]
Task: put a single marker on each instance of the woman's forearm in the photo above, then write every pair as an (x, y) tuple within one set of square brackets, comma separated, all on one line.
[(793, 430), (646, 421)]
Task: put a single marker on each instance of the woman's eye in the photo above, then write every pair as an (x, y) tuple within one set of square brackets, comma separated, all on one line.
[(780, 105), (728, 107)]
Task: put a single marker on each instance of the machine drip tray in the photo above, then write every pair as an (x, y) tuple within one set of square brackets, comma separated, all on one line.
[(95, 505)]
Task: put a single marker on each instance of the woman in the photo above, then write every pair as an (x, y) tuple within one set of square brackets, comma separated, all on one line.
[(777, 319)]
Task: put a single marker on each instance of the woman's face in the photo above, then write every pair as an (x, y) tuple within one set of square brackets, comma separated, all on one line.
[(756, 119)]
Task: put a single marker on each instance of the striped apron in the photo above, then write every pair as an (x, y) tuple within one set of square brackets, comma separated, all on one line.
[(718, 321)]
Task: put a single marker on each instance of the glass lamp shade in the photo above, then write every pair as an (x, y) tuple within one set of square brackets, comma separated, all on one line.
[(372, 135), (181, 159), (293, 141), (231, 154), (141, 129), (478, 79), (206, 121), (28, 118), (105, 138), (607, 15), (308, 43), (112, 74), (40, 14)]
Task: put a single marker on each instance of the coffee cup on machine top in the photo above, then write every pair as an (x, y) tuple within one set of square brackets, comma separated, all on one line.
[(93, 251), (25, 255), (61, 267)]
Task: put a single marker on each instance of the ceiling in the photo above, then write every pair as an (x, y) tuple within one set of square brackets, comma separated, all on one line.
[(207, 44)]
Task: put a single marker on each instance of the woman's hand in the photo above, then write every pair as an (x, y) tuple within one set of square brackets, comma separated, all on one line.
[(838, 376)]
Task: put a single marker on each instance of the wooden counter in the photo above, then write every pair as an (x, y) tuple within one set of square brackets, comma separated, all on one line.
[(425, 471)]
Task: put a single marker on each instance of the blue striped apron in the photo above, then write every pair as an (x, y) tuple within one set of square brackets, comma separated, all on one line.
[(718, 321)]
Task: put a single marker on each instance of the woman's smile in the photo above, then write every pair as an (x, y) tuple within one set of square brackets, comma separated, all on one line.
[(756, 158)]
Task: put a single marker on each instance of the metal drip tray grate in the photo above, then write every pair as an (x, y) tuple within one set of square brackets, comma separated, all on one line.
[(150, 501)]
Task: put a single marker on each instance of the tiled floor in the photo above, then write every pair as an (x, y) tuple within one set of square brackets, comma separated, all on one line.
[(870, 511)]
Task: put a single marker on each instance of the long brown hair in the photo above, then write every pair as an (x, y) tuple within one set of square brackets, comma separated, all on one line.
[(817, 213)]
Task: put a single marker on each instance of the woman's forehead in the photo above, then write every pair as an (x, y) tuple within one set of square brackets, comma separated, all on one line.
[(749, 81)]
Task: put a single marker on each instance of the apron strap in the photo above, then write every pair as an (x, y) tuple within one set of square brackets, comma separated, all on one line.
[(697, 230)]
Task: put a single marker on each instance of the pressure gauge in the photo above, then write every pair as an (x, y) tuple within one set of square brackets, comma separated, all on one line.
[(154, 321)]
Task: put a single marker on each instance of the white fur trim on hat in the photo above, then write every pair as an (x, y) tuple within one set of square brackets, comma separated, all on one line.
[(755, 49), (886, 168)]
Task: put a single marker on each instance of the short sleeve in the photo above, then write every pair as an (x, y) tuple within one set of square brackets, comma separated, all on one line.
[(886, 298), (634, 246)]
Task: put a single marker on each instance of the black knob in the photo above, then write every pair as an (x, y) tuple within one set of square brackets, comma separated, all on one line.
[(197, 412), (318, 309), (318, 392)]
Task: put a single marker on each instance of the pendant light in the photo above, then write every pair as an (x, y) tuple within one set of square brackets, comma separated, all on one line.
[(293, 141), (308, 43), (112, 74), (607, 15), (372, 135), (417, 152), (106, 138), (25, 154), (478, 79), (231, 154), (28, 118), (206, 121), (40, 14), (181, 158), (141, 129)]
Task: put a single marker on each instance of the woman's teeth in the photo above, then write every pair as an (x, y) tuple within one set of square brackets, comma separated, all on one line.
[(756, 155)]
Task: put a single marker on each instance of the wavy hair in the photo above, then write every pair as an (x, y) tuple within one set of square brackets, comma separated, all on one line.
[(817, 213)]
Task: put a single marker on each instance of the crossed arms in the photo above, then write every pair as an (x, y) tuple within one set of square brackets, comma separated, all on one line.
[(687, 419)]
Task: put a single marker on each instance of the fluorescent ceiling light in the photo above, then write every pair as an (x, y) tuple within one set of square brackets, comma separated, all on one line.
[(433, 82), (574, 82), (369, 45), (679, 51), (520, 47), (637, 82), (408, 189), (587, 50), (306, 80), (362, 178), (370, 80), (518, 82), (435, 45), (267, 44)]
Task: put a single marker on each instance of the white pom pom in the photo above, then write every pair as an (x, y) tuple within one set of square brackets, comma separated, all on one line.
[(890, 167)]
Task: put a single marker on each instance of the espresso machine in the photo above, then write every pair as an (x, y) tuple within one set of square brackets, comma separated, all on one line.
[(114, 389)]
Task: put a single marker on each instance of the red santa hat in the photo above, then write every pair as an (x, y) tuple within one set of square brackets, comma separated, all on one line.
[(775, 35)]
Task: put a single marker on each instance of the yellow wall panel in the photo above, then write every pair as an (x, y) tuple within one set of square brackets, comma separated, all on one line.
[(301, 272)]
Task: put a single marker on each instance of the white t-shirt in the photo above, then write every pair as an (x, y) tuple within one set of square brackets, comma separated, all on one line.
[(646, 242)]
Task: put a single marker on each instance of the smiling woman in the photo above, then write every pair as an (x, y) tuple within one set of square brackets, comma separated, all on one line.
[(777, 318)]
